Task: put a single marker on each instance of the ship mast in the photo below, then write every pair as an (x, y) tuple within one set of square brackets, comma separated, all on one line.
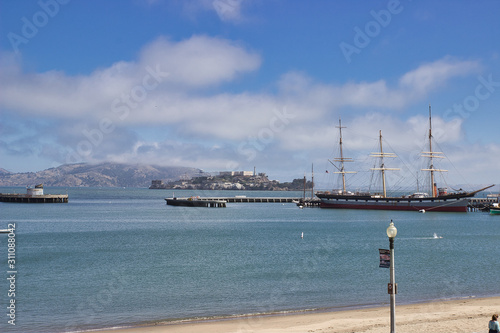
[(382, 167), (342, 159), (432, 154), (431, 167), (312, 181)]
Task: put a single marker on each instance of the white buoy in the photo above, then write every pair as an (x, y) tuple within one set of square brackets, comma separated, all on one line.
[(302, 235), (422, 211)]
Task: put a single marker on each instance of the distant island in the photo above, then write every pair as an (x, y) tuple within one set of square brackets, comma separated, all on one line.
[(232, 180)]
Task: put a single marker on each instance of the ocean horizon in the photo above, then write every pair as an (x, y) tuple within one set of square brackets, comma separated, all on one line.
[(120, 257)]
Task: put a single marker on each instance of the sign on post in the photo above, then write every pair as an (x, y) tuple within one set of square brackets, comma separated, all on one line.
[(385, 258)]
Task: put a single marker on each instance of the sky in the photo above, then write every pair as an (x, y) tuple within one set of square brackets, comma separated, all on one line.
[(237, 84)]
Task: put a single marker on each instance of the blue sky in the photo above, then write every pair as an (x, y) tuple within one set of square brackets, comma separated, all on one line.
[(233, 84)]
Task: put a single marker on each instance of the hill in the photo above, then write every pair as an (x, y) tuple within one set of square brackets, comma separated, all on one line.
[(104, 174), (3, 171)]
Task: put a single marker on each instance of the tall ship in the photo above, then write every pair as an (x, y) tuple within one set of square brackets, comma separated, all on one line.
[(439, 200)]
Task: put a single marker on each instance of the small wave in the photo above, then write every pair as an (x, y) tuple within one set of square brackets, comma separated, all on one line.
[(420, 238), (102, 329)]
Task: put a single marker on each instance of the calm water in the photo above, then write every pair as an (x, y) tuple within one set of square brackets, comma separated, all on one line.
[(121, 257)]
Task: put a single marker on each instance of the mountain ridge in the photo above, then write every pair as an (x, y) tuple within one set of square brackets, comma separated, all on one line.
[(105, 174)]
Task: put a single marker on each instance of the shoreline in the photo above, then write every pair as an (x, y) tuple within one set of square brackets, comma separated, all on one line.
[(468, 314)]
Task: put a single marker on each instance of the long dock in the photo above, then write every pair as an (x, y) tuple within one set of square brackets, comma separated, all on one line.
[(308, 202), (251, 199)]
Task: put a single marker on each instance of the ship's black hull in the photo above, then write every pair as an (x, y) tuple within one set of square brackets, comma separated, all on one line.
[(451, 203)]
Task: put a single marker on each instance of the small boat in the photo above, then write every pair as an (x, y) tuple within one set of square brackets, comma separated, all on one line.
[(495, 209)]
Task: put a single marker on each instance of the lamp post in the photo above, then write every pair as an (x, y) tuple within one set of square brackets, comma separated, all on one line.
[(392, 287)]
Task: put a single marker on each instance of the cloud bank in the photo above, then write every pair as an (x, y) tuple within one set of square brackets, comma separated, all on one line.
[(183, 91)]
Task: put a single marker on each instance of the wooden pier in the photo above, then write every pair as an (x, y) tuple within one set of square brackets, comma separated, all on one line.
[(34, 195), (26, 198)]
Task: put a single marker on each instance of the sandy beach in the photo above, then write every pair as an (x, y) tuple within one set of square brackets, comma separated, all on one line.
[(464, 315)]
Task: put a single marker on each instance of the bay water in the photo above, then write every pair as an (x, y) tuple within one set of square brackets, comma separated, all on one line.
[(120, 257)]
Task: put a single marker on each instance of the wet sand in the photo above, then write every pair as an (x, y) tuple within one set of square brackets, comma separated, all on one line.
[(464, 315)]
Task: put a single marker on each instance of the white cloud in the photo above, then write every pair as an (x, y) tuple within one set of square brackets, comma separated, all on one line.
[(412, 86), (228, 10), (362, 133), (432, 75), (199, 62)]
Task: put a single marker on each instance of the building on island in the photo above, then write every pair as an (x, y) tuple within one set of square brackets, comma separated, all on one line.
[(237, 173)]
